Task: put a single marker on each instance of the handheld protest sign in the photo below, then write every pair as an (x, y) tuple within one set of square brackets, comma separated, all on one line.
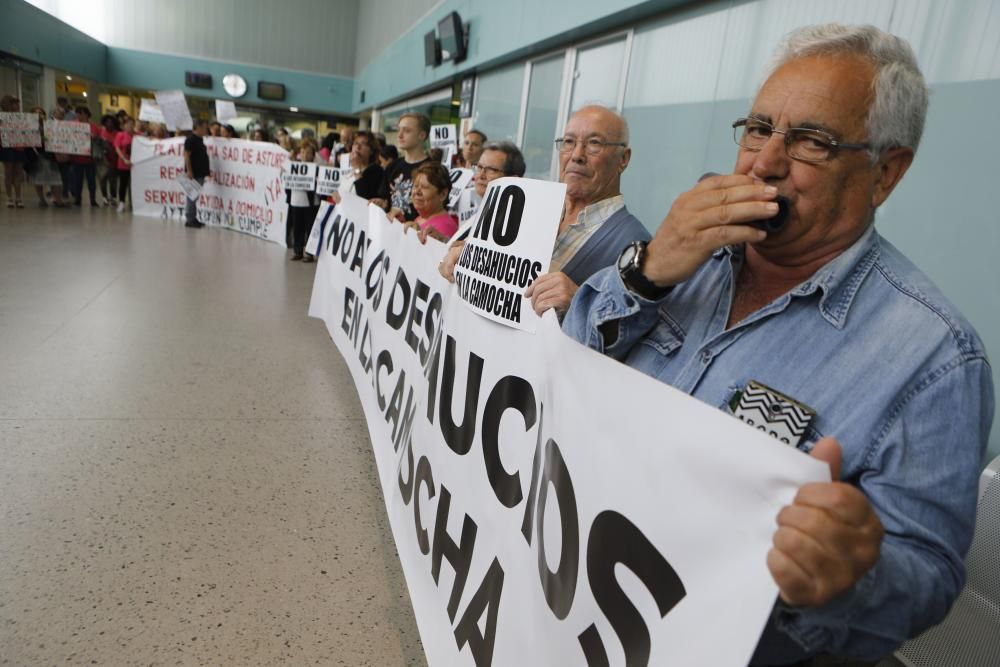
[(509, 246), (175, 109), (191, 187), (20, 130), (299, 175), (330, 178), (67, 137), (460, 180), (149, 111), (225, 110), (445, 137)]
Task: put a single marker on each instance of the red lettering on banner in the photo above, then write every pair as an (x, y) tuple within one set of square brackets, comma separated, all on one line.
[(168, 173), (163, 197)]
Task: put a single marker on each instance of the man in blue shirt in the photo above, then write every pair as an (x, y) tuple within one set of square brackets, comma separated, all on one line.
[(825, 319)]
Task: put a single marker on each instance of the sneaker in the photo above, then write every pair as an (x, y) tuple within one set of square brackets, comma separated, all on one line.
[(121, 207), (10, 203), (20, 204)]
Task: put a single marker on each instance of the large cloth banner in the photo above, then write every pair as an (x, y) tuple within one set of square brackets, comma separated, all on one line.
[(67, 136), (19, 130), (550, 506), (243, 192)]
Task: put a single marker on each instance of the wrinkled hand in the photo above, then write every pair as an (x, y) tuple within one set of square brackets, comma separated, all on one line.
[(827, 539), (381, 203), (410, 224), (704, 219), (551, 290), (447, 266), (432, 233), (396, 214), (335, 196)]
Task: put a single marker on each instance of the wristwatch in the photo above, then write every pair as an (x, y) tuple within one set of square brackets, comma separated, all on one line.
[(630, 269)]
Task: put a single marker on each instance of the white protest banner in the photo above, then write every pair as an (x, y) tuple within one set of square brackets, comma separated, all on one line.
[(299, 175), (149, 111), (225, 110), (501, 256), (549, 505), (460, 180), (67, 137), (175, 110), (20, 130), (191, 187), (243, 192), (445, 137), (330, 178)]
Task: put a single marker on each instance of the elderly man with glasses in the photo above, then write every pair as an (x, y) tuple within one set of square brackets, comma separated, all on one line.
[(823, 332), (593, 154)]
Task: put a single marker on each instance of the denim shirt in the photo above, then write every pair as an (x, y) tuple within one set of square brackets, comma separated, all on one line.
[(893, 371)]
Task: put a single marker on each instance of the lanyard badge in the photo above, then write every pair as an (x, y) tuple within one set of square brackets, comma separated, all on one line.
[(772, 412)]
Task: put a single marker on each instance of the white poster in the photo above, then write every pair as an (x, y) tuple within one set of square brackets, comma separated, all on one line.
[(175, 110), (330, 178), (67, 136), (299, 175), (225, 110), (243, 193), (460, 180), (502, 256), (191, 187), (445, 137), (20, 130), (550, 506), (149, 111)]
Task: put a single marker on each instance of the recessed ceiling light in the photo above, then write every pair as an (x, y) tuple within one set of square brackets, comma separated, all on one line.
[(69, 78), (85, 93), (293, 109)]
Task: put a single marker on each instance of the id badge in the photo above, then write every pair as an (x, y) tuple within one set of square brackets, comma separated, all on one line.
[(772, 412)]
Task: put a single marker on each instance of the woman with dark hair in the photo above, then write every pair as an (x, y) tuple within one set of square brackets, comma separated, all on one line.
[(431, 185), (42, 168), (369, 177), (229, 132), (388, 156), (260, 134)]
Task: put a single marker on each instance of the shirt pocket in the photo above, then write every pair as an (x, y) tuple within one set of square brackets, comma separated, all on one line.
[(809, 439), (655, 350)]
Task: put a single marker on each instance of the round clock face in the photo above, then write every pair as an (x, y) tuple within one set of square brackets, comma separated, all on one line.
[(235, 85)]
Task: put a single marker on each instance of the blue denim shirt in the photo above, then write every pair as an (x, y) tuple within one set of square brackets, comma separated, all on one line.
[(894, 372)]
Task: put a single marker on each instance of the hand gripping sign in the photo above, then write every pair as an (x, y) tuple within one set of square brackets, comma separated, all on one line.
[(509, 246)]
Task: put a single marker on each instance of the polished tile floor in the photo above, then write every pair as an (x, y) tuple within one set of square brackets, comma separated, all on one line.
[(185, 473)]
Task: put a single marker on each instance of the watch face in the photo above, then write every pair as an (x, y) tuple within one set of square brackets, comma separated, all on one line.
[(627, 256), (235, 85)]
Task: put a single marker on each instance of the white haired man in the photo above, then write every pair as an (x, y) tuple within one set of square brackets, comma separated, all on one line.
[(825, 318)]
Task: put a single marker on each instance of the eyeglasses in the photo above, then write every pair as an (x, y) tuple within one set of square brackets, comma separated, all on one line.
[(592, 146), (801, 143), (489, 171)]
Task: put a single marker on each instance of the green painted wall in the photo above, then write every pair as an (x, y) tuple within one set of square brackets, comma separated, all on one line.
[(153, 71)]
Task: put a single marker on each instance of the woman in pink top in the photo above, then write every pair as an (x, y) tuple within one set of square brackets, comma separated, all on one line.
[(123, 164), (431, 185)]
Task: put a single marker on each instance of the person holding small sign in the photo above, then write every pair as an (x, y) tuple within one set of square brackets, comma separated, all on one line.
[(431, 185), (811, 327), (13, 160), (303, 206), (84, 166), (593, 154)]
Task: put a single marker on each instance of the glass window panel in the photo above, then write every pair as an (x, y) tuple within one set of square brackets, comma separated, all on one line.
[(598, 75), (498, 102), (541, 120)]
